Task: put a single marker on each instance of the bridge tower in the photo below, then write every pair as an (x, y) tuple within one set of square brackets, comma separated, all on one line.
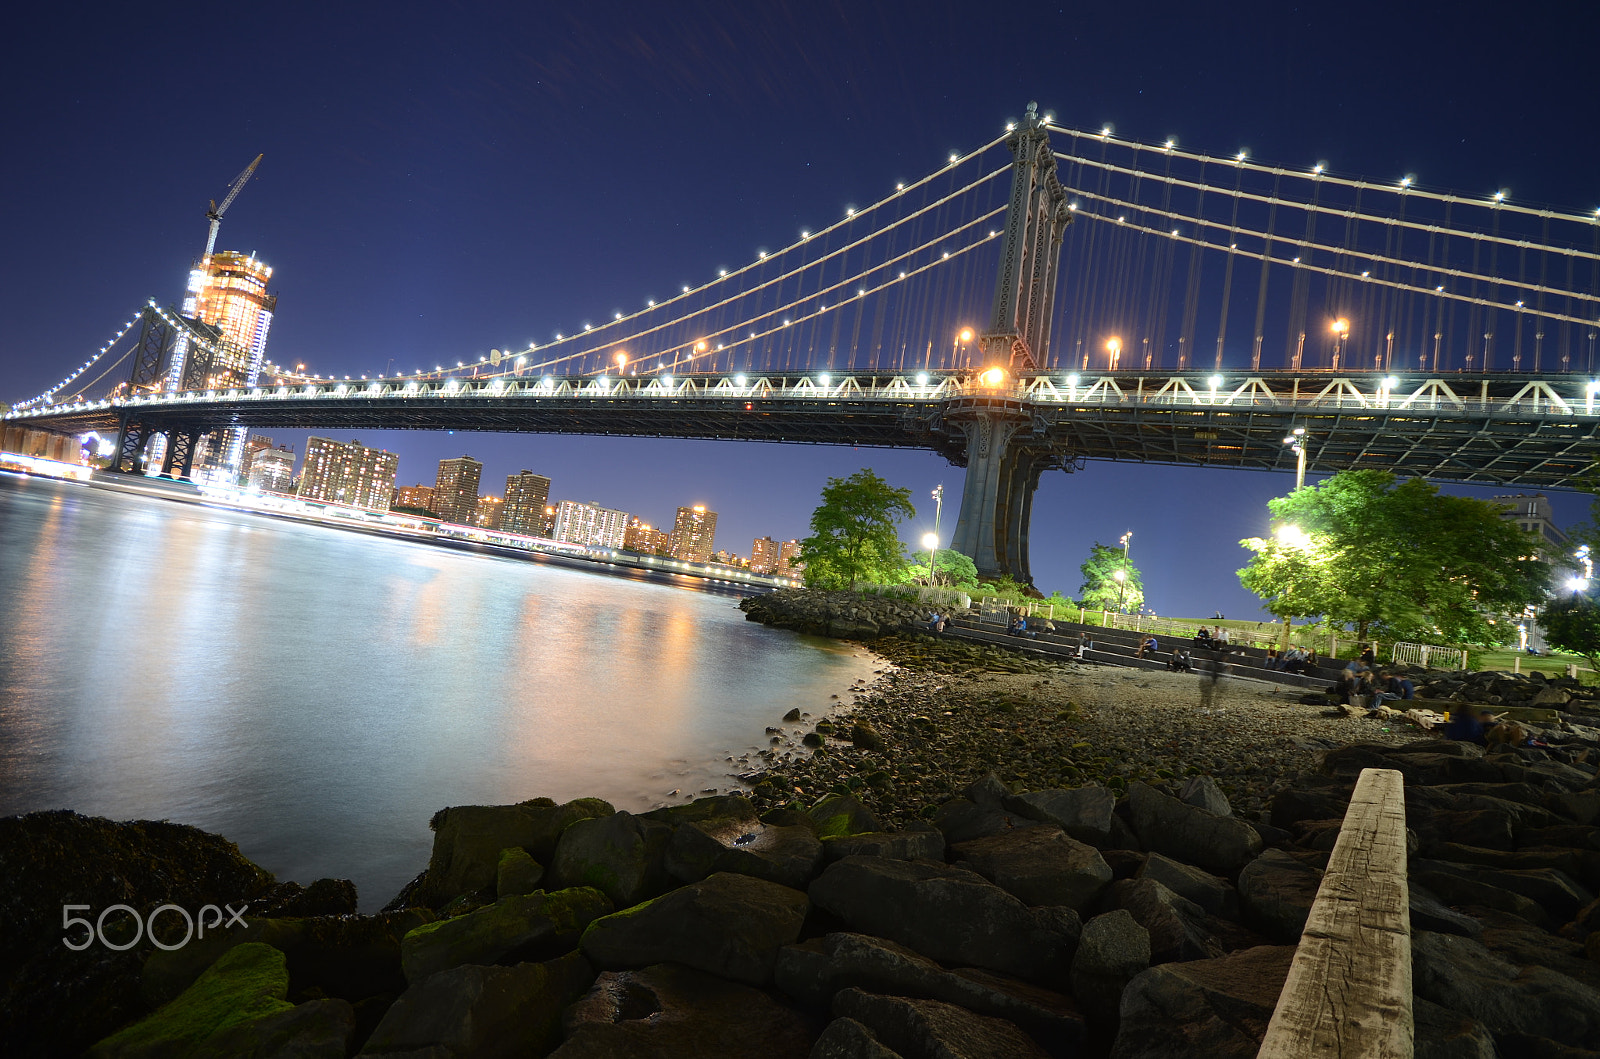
[(1003, 467)]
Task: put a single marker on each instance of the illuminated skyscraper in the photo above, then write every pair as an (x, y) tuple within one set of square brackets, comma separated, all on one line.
[(455, 492), (348, 474), (489, 512), (765, 554), (417, 497), (526, 496), (580, 523), (789, 558), (228, 291), (646, 539), (693, 533), (271, 471)]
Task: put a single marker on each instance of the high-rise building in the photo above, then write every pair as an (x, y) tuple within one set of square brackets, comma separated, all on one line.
[(254, 444), (489, 512), (645, 538), (271, 470), (789, 558), (455, 493), (228, 291), (765, 554), (527, 494), (580, 523), (348, 474), (416, 497), (1533, 515), (693, 533)]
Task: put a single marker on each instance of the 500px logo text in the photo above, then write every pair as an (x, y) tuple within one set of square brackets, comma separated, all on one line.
[(142, 926)]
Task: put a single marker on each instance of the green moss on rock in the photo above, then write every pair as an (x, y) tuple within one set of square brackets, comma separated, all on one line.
[(248, 982)]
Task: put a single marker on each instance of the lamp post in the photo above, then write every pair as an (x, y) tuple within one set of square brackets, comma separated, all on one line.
[(1122, 574), (1121, 578), (1341, 331), (1297, 444), (963, 338), (938, 509), (930, 541), (1114, 349)]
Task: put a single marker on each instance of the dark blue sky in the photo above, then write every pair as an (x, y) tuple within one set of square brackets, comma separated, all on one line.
[(443, 178)]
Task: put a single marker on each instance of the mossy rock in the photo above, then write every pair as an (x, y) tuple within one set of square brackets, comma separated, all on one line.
[(248, 982), (813, 740)]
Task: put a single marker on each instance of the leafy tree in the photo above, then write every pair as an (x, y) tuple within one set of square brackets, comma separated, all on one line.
[(1101, 590), (853, 533), (1572, 623), (952, 569), (1366, 549)]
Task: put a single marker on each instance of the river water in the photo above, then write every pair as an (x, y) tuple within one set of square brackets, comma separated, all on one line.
[(315, 695)]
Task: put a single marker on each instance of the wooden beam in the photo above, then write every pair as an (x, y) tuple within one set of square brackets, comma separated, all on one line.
[(1348, 993)]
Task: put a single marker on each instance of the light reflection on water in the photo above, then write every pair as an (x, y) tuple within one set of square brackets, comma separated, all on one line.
[(315, 695)]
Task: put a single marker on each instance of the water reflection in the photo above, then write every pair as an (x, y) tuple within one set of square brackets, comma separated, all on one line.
[(315, 695)]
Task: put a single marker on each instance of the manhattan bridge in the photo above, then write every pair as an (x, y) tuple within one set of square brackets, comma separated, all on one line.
[(1053, 296)]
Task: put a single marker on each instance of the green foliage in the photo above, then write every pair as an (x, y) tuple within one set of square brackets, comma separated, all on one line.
[(954, 570), (854, 535), (1396, 558), (1101, 590), (1572, 623)]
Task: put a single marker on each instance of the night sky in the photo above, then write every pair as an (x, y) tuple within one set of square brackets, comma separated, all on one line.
[(445, 178)]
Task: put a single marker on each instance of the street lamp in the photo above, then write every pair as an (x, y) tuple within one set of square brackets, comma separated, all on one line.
[(930, 541), (1341, 331), (1121, 577), (938, 509), (1122, 574), (963, 337), (1114, 348), (1297, 444)]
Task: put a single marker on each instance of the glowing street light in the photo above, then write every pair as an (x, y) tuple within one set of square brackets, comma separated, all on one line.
[(1122, 574), (1297, 444), (930, 541), (1114, 348), (1341, 332), (963, 337)]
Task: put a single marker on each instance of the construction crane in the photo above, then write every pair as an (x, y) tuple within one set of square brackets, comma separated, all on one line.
[(214, 214)]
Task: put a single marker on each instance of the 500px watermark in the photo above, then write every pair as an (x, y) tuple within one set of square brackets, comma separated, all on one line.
[(145, 925)]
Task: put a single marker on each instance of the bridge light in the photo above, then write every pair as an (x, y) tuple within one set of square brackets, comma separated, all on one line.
[(1500, 196), (1317, 169), (1390, 382), (953, 157), (965, 335), (738, 380), (1171, 144), (922, 379), (1105, 132), (804, 234), (666, 380), (1216, 380), (1594, 387), (1405, 181), (1072, 380), (902, 187), (993, 377), (700, 346), (1241, 156), (722, 272), (849, 211), (823, 378)]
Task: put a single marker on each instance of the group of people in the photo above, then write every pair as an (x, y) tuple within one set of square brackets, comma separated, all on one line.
[(936, 621), (1019, 626), (1295, 660), (1207, 640), (1360, 684)]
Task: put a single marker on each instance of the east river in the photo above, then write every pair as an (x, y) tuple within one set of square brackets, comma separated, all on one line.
[(315, 695)]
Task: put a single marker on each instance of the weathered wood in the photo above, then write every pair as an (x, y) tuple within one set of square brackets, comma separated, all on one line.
[(1348, 993)]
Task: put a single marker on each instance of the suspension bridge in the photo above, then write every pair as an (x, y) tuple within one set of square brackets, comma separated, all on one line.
[(1088, 297)]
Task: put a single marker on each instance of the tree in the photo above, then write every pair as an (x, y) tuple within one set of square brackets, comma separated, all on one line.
[(1572, 623), (1366, 549), (1101, 590), (853, 533), (953, 569)]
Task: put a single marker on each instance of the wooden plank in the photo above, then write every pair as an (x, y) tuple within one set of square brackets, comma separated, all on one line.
[(1348, 993)]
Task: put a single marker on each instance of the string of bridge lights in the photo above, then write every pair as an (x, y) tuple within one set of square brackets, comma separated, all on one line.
[(49, 395), (852, 214), (1499, 199)]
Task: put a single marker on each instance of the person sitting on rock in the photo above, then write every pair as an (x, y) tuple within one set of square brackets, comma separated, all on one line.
[(1146, 646), (1395, 686), (935, 622), (1202, 638), (1368, 658), (1466, 724), (1179, 662), (1355, 682)]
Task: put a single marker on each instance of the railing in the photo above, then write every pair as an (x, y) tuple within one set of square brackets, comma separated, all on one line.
[(1429, 656)]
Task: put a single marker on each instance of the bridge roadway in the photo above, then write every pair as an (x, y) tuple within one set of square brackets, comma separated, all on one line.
[(1532, 431)]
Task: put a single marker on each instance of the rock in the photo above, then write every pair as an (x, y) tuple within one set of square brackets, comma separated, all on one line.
[(1038, 865), (1207, 1009), (1206, 890), (792, 716), (947, 914), (1459, 890), (1439, 1033), (962, 820), (1202, 792), (1464, 976), (1551, 889), (866, 737), (317, 1029), (517, 873), (352, 957), (482, 1011), (1486, 829), (933, 1028), (666, 1011), (1548, 696), (1276, 892), (815, 970), (912, 844), (248, 983), (1582, 807), (1083, 813), (989, 792), (1301, 802), (841, 815), (468, 839), (1220, 844), (514, 929), (1429, 913), (1177, 926), (728, 924), (1114, 949), (621, 855), (736, 840), (849, 1039), (325, 897)]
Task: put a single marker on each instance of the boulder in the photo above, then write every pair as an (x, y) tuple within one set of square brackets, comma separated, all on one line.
[(1220, 844), (1439, 1033), (1038, 865), (1276, 892), (1582, 807), (933, 1028), (248, 983), (1083, 813), (813, 971), (482, 1011), (736, 840), (1114, 949), (1202, 792), (317, 1029), (325, 897), (1210, 892), (961, 820), (666, 1010), (925, 843), (1177, 926), (1484, 828), (517, 873), (621, 855), (840, 815), (468, 839), (1550, 888), (728, 924), (1429, 913), (514, 929), (1455, 889), (1301, 802), (849, 1039), (1464, 976), (1207, 1009), (948, 914)]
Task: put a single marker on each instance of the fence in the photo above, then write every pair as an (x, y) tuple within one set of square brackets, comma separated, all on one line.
[(1031, 608), (943, 599), (1420, 654)]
